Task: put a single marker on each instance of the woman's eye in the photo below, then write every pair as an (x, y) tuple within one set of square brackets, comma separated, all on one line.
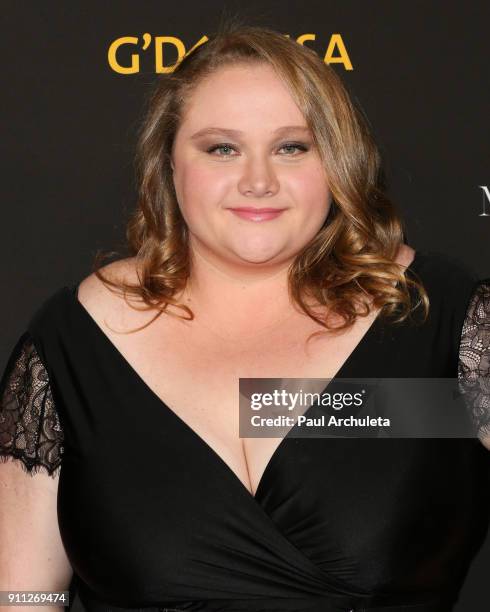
[(292, 145), (226, 148), (220, 146)]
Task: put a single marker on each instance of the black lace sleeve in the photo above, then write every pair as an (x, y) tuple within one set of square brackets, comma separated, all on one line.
[(30, 430), (474, 360)]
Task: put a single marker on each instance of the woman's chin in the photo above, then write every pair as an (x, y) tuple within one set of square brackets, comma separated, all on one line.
[(262, 256)]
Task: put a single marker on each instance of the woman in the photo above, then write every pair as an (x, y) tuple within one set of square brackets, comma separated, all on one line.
[(130, 400)]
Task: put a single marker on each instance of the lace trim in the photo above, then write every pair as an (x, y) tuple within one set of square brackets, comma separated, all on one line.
[(30, 430), (474, 359)]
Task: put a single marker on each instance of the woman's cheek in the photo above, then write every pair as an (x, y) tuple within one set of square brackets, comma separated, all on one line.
[(187, 186), (311, 191), (203, 182)]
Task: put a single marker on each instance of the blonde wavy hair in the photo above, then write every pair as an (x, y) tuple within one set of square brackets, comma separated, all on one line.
[(349, 263)]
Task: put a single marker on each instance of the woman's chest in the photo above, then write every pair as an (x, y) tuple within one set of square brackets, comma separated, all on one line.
[(155, 454), (196, 375)]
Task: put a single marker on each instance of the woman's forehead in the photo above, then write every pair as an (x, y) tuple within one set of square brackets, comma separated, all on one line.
[(241, 108), (253, 85)]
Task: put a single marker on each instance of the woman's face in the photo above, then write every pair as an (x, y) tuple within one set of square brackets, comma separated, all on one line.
[(234, 149)]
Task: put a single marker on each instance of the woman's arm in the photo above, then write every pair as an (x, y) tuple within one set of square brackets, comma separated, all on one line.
[(32, 556), (474, 360)]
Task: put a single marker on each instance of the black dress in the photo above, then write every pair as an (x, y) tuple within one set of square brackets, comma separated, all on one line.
[(151, 516)]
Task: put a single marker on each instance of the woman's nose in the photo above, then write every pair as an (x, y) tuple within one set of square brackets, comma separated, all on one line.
[(258, 178)]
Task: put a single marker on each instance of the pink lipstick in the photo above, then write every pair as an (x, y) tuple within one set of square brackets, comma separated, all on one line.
[(257, 214)]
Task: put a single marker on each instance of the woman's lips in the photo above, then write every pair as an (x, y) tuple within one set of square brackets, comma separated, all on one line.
[(257, 214)]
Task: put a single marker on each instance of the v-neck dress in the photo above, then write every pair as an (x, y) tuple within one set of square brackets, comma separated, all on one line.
[(152, 518)]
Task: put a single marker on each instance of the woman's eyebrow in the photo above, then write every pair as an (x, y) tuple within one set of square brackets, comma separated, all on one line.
[(238, 133)]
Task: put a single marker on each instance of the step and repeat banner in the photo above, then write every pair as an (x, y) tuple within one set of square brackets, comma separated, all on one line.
[(76, 75)]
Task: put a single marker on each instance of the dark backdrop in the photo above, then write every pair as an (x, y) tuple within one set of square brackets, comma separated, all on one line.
[(419, 71)]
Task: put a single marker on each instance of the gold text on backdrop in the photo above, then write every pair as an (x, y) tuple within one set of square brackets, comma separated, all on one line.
[(135, 45)]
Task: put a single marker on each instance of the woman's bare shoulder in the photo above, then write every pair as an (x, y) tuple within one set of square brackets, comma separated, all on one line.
[(103, 302)]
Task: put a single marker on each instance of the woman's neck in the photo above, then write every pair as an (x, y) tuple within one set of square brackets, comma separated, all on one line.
[(237, 297)]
